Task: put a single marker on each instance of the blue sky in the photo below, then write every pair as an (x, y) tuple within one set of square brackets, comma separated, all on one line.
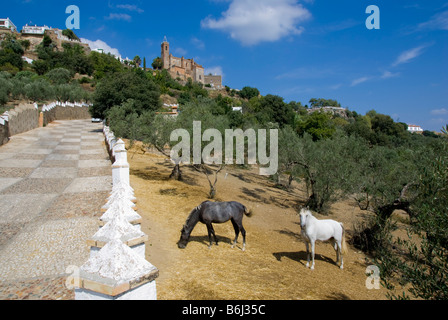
[(296, 49)]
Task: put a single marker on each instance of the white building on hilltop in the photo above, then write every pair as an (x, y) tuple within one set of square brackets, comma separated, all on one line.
[(414, 128), (34, 29), (7, 23)]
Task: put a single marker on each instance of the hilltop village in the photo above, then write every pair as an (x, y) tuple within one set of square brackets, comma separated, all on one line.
[(180, 69)]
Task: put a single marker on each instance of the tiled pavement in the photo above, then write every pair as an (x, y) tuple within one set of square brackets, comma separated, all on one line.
[(53, 183)]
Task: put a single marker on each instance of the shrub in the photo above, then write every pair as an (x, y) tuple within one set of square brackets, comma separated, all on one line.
[(59, 76), (39, 90)]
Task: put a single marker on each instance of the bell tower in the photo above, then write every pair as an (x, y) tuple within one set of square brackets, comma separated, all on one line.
[(165, 54)]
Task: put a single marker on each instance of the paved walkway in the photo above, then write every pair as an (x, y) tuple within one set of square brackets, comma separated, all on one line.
[(53, 183)]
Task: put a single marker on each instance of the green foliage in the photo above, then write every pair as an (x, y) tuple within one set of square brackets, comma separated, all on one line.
[(11, 54), (5, 90), (425, 265), (39, 90), (119, 87), (59, 76), (249, 93), (70, 92), (271, 108), (126, 122), (157, 63), (72, 58), (386, 131), (70, 34), (165, 81), (318, 124), (104, 64), (445, 130), (319, 103), (137, 60)]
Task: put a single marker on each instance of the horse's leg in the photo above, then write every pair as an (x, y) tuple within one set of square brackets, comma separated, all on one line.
[(340, 254), (307, 254), (313, 242), (209, 230), (243, 232), (335, 245), (237, 232), (214, 235)]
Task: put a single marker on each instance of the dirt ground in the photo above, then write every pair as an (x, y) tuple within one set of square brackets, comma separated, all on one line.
[(272, 267)]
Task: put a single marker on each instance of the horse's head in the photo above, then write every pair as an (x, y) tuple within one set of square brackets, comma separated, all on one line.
[(304, 214), (184, 236), (192, 219)]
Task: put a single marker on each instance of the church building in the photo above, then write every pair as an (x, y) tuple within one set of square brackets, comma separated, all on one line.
[(180, 67)]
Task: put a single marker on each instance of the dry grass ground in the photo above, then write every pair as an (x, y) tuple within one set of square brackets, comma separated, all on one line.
[(272, 267)]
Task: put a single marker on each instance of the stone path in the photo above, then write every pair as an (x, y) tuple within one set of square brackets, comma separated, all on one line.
[(53, 183)]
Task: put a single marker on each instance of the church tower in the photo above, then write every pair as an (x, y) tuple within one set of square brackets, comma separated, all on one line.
[(165, 54)]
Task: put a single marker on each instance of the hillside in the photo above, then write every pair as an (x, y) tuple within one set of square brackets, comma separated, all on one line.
[(272, 267)]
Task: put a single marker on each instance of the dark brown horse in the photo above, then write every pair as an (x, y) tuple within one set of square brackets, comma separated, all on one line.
[(215, 212)]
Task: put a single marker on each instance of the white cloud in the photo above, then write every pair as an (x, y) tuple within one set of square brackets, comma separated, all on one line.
[(180, 51), (119, 16), (198, 43), (336, 86), (438, 112), (216, 70), (409, 55), (387, 74), (255, 21), (359, 81), (437, 22), (130, 7), (99, 44)]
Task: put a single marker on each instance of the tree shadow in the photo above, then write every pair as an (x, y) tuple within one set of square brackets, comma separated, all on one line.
[(152, 175), (292, 234), (255, 195), (337, 296), (241, 176)]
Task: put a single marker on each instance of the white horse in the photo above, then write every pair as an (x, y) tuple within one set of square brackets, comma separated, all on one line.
[(322, 230)]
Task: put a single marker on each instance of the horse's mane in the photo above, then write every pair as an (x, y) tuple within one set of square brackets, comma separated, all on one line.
[(194, 214)]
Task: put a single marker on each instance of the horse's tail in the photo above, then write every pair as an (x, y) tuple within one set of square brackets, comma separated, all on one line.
[(344, 248), (248, 213)]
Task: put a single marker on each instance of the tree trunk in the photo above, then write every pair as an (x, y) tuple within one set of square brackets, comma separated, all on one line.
[(290, 179), (176, 174), (372, 238)]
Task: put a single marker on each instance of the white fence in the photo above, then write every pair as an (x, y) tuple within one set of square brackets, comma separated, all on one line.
[(117, 268)]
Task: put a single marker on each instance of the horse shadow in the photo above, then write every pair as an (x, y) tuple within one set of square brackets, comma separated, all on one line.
[(301, 257), (204, 240)]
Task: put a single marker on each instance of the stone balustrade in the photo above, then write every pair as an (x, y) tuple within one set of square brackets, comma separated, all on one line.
[(117, 268)]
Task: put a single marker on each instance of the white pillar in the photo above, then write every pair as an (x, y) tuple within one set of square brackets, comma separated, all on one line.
[(117, 273), (119, 228), (121, 208), (120, 168)]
